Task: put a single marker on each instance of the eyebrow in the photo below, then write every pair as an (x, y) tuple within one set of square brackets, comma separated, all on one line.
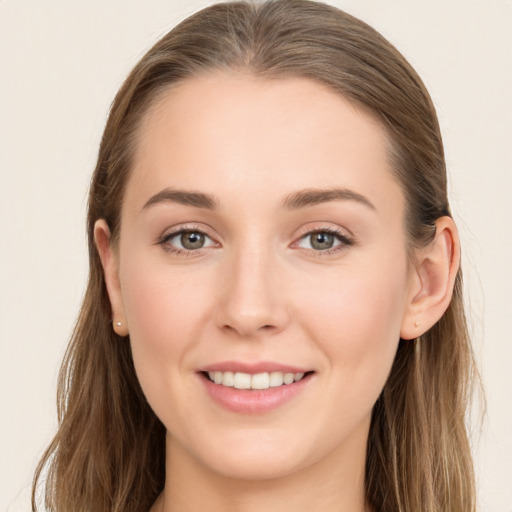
[(311, 197), (299, 199), (185, 197)]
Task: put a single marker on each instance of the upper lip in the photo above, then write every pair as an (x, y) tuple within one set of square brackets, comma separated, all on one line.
[(253, 367)]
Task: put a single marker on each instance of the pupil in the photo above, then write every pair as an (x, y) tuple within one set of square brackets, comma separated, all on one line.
[(322, 241), (192, 240)]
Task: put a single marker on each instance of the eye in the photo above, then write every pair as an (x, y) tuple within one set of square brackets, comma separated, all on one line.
[(186, 240), (325, 240)]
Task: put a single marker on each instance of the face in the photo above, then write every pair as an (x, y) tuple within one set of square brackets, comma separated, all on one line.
[(262, 242)]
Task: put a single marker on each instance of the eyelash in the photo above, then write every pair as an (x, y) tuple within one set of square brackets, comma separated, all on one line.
[(164, 240), (344, 240)]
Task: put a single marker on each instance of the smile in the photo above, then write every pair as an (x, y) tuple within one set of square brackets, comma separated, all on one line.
[(258, 381), (255, 388)]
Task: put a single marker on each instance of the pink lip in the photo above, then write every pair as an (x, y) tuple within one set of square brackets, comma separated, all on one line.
[(252, 368), (246, 401)]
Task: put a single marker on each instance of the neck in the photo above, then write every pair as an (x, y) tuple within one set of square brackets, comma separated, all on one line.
[(336, 483)]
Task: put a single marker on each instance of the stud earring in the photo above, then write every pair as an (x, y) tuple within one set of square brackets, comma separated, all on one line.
[(120, 327), (416, 324)]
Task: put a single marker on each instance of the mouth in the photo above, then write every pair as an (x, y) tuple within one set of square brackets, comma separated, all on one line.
[(254, 381), (254, 387)]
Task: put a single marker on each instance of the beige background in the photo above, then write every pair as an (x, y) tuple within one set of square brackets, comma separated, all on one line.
[(61, 63)]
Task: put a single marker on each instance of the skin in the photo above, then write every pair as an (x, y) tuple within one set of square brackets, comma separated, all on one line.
[(259, 291)]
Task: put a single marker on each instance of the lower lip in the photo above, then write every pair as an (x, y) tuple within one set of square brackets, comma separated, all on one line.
[(258, 401)]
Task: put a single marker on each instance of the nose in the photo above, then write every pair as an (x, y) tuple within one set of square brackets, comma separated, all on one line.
[(252, 299)]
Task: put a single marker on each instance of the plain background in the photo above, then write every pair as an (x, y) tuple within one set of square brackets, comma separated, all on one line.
[(61, 63)]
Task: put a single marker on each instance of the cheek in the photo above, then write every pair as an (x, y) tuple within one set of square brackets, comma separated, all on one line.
[(151, 305), (355, 317), (164, 311)]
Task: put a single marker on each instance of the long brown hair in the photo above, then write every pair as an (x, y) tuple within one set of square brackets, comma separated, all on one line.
[(108, 454)]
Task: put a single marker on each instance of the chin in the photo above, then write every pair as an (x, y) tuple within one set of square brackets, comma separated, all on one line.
[(256, 466), (256, 455)]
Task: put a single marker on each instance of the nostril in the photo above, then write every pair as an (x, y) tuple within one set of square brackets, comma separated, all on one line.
[(247, 329)]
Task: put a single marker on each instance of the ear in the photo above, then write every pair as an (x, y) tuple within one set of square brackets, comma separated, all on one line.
[(432, 280), (109, 262)]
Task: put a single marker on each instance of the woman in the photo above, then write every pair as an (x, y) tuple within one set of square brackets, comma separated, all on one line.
[(274, 312)]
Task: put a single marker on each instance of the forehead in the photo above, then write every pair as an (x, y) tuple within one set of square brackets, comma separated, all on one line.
[(237, 133)]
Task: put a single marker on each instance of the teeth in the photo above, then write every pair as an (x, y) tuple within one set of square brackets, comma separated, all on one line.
[(276, 379), (260, 381), (228, 379), (242, 381), (265, 380), (288, 378)]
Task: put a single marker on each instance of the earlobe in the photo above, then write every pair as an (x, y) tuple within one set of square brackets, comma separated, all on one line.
[(111, 272), (434, 279)]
